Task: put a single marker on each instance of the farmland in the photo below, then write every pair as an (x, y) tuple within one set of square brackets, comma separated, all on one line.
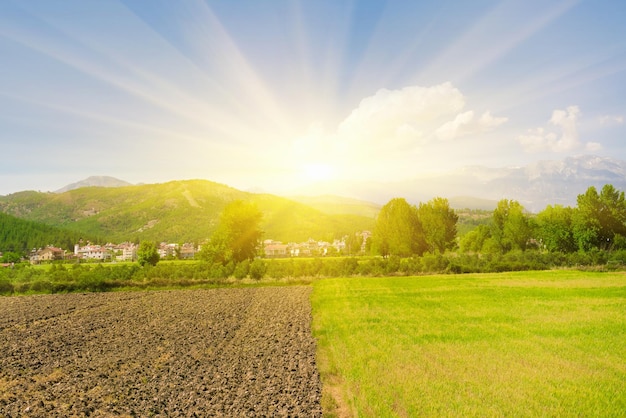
[(549, 343), (216, 352), (512, 344)]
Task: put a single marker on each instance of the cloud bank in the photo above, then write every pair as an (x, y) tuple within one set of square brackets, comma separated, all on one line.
[(466, 124), (396, 124), (563, 137)]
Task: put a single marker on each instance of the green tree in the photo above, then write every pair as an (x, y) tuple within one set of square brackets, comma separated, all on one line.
[(147, 253), (438, 223), (354, 242), (554, 228), (238, 235), (398, 230), (511, 228), (10, 257), (474, 241), (258, 268), (600, 219)]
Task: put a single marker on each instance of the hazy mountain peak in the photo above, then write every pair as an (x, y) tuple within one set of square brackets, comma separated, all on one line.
[(98, 181)]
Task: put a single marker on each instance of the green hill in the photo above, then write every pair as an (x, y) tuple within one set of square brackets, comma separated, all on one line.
[(20, 236), (177, 211)]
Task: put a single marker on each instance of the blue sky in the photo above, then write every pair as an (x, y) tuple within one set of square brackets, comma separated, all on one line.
[(277, 94)]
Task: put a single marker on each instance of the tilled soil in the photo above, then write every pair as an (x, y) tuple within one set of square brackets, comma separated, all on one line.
[(220, 352)]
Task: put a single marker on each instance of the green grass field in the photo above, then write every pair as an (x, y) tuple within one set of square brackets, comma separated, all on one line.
[(514, 344)]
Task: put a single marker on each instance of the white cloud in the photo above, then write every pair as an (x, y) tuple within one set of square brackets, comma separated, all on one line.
[(566, 120), (608, 120), (562, 138), (408, 119), (593, 146), (466, 124), (394, 126), (537, 140), (388, 112)]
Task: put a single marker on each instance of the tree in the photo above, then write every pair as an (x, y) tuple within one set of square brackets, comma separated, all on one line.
[(354, 243), (474, 240), (398, 230), (238, 235), (438, 223), (147, 253), (600, 219), (554, 228), (512, 228), (10, 257)]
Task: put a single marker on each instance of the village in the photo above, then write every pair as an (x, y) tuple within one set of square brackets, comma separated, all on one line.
[(127, 251)]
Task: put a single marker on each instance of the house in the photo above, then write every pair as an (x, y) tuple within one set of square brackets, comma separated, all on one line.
[(275, 249), (92, 252), (126, 251), (339, 245), (365, 235), (166, 250), (187, 251), (47, 254)]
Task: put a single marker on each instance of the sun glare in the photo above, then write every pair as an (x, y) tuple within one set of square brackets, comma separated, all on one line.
[(318, 172)]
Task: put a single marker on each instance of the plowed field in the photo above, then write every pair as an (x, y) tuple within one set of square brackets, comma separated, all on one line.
[(221, 352)]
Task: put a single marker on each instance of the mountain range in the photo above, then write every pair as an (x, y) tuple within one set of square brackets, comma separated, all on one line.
[(535, 186), (94, 181), (189, 210), (178, 211)]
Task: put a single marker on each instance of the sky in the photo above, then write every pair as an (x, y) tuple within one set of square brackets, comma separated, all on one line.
[(275, 95)]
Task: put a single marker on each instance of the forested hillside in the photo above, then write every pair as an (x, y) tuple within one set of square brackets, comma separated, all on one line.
[(20, 236), (177, 211)]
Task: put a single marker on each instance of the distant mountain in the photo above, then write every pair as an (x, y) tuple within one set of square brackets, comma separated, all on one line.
[(468, 202), (97, 181), (177, 211), (543, 183), (535, 186)]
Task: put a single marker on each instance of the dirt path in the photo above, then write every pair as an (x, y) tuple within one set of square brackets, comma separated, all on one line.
[(222, 352)]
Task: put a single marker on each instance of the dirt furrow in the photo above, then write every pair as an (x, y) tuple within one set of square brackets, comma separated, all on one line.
[(222, 352)]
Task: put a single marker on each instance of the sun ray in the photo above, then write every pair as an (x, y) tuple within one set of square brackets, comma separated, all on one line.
[(488, 40)]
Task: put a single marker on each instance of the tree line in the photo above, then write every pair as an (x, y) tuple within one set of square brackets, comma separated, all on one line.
[(18, 237), (598, 222)]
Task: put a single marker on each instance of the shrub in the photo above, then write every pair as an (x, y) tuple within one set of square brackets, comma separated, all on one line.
[(41, 286), (257, 269), (6, 287), (349, 266), (279, 269), (435, 263), (241, 269)]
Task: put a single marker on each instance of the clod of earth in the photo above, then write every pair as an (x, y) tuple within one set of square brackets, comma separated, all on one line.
[(220, 352)]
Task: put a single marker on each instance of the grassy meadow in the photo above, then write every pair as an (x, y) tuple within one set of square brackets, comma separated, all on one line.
[(549, 343)]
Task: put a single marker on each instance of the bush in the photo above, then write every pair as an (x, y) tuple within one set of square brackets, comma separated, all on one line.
[(241, 269), (41, 286), (257, 269), (435, 263), (21, 287), (349, 266), (6, 287), (279, 269)]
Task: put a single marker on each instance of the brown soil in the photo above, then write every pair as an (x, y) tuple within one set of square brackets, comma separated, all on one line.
[(221, 352)]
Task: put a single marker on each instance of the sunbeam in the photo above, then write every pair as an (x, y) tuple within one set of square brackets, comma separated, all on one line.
[(271, 95)]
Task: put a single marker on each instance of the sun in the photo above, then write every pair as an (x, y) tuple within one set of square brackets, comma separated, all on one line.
[(318, 172)]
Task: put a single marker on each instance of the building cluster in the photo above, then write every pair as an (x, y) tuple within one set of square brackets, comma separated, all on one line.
[(127, 251), (312, 248)]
